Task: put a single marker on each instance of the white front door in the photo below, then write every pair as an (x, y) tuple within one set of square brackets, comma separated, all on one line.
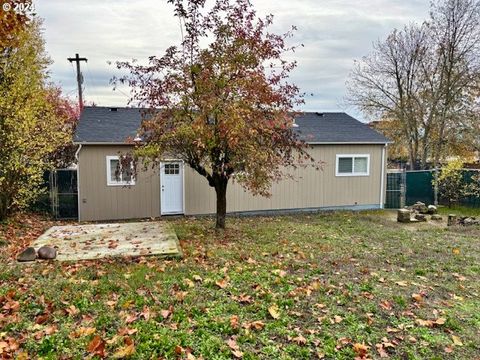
[(171, 187)]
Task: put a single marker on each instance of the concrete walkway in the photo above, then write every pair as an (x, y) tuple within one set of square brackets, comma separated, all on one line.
[(95, 241)]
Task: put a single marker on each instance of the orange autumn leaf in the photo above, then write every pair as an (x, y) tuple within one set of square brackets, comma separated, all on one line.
[(96, 346)]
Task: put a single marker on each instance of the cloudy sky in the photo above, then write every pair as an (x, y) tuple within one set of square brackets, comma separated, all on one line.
[(334, 32)]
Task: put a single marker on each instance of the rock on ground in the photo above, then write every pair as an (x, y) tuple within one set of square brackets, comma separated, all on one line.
[(403, 215), (436, 217), (29, 254), (432, 209), (47, 253), (420, 207), (420, 217)]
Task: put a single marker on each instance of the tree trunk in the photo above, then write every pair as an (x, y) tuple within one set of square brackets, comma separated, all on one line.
[(4, 204), (221, 190)]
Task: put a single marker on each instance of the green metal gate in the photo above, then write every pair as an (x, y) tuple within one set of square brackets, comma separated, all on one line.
[(395, 195), (64, 193)]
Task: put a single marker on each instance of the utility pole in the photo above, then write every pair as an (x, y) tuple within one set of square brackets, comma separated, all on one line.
[(77, 59)]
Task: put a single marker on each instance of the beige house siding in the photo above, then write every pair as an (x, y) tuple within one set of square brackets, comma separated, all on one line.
[(310, 189), (97, 201)]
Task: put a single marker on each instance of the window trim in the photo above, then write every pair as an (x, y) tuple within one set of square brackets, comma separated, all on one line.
[(353, 156), (109, 173)]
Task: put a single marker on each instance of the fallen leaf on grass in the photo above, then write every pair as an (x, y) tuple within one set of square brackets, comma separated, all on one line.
[(299, 340), (96, 346), (125, 351), (127, 331), (131, 318), (255, 325), (386, 305), (49, 330), (417, 297), (274, 311), (457, 341), (189, 283), (245, 299), (111, 303), (197, 278), (381, 351), (167, 312), (72, 310), (234, 321), (83, 331), (232, 344), (337, 319), (361, 350), (430, 323), (222, 284), (402, 283), (41, 319)]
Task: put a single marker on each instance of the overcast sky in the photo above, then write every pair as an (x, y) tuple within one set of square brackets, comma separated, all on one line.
[(334, 32)]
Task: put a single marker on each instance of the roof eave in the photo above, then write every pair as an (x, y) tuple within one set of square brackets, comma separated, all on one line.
[(100, 143), (349, 142)]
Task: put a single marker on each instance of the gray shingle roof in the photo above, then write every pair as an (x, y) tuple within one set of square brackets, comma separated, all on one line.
[(102, 125), (333, 127)]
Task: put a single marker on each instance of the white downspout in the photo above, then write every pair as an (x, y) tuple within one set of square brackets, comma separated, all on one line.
[(382, 180), (78, 178)]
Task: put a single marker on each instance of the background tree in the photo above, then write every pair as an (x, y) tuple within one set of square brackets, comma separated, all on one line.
[(451, 184), (221, 100), (12, 23), (67, 112), (30, 128), (425, 77)]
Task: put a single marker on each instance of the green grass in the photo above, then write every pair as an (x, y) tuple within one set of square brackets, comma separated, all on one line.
[(459, 210), (337, 280)]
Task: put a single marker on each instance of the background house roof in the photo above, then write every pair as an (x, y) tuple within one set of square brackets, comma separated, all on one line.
[(116, 125)]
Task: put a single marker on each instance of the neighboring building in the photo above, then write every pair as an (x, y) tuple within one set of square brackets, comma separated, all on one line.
[(353, 175)]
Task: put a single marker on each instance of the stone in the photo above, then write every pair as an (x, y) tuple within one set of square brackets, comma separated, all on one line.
[(432, 209), (47, 253), (420, 207), (403, 215), (469, 221), (452, 220), (28, 254), (436, 217), (420, 217)]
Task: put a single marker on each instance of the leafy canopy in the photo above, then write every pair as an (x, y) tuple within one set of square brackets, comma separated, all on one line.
[(221, 101), (32, 126)]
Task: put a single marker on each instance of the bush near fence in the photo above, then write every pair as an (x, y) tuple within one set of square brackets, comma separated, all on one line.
[(419, 187)]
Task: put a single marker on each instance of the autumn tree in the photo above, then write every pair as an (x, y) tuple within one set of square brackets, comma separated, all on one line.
[(221, 100), (66, 112), (450, 182), (30, 128), (426, 78)]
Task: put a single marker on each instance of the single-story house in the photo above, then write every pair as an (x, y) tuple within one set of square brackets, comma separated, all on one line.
[(353, 175)]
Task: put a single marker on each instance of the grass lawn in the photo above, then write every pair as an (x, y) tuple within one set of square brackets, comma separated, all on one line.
[(333, 286)]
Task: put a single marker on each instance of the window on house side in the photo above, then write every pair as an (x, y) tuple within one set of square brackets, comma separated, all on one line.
[(117, 176), (353, 165)]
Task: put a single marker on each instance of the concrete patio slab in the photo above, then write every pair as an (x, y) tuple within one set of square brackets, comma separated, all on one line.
[(95, 241)]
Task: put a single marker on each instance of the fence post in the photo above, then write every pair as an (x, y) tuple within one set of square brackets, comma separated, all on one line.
[(435, 188), (403, 188)]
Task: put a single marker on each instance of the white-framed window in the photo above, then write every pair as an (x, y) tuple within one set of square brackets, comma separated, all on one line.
[(117, 176), (171, 169), (352, 165)]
